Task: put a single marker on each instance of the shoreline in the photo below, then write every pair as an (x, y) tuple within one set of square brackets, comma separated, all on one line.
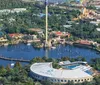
[(42, 46), (62, 45)]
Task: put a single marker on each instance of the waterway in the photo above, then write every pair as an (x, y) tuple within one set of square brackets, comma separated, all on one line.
[(28, 52)]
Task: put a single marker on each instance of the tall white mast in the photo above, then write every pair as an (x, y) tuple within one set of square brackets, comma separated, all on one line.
[(46, 2)]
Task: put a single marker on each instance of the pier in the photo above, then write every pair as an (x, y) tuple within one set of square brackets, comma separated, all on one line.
[(14, 59)]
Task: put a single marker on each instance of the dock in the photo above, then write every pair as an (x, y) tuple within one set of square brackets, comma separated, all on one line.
[(14, 59)]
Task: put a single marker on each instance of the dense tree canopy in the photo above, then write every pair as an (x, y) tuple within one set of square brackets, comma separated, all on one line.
[(9, 4), (85, 30)]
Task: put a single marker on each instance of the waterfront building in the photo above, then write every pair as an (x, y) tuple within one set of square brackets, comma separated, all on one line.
[(46, 72), (84, 42), (16, 36), (30, 37), (61, 34), (2, 39)]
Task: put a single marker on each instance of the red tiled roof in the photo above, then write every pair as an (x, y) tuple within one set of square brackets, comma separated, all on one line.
[(13, 34), (83, 42), (58, 33)]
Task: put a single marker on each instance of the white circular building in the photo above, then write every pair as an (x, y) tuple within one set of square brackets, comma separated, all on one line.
[(45, 72)]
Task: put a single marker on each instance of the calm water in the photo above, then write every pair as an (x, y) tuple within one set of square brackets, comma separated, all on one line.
[(28, 52)]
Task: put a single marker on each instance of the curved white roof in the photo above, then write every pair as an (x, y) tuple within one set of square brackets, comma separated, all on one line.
[(45, 69)]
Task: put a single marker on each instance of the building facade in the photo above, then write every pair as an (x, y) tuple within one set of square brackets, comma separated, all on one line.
[(45, 72)]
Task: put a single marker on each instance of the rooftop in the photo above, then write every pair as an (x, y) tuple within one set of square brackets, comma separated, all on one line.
[(71, 63), (35, 29), (46, 69)]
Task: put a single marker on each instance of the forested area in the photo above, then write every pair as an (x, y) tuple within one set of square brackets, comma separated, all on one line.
[(85, 30), (9, 4), (17, 22)]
